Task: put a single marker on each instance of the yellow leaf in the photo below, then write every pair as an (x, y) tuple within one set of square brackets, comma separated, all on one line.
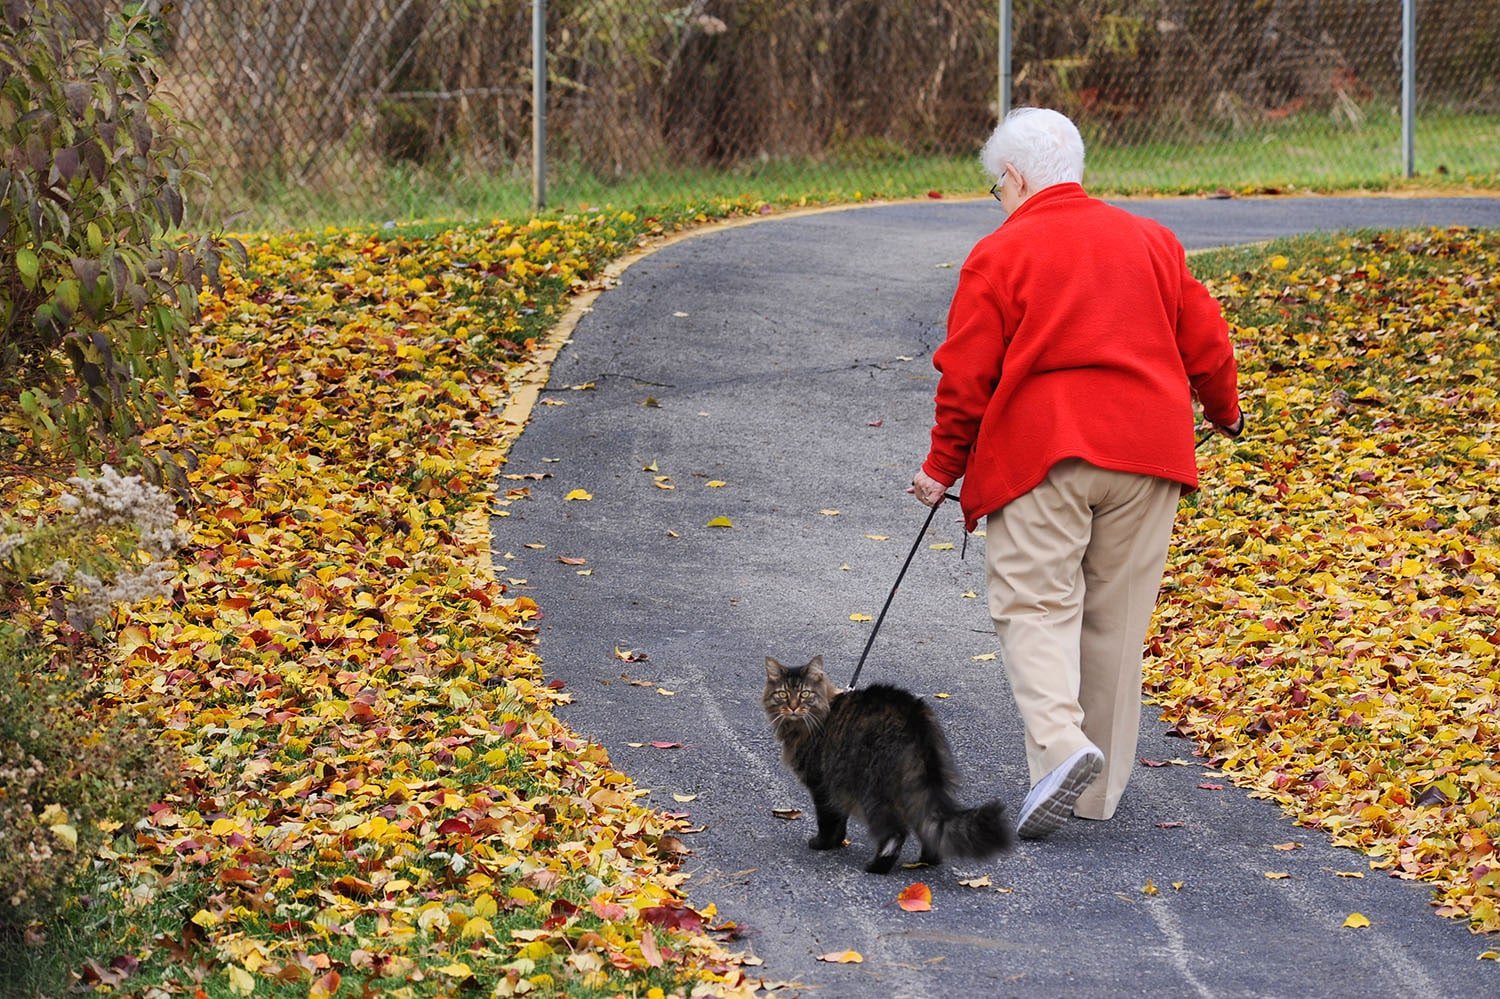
[(241, 982), (979, 882), (206, 919), (716, 483), (860, 617), (720, 522), (579, 494), (456, 970), (1150, 888), (522, 894), (1357, 920), (484, 906), (987, 657), (942, 546), (477, 927), (223, 827), (942, 695), (1489, 955), (843, 957), (66, 833), (1277, 875)]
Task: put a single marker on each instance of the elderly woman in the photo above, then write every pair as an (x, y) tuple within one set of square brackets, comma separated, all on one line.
[(1076, 342)]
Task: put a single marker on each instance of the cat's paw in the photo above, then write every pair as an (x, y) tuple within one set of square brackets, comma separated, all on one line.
[(827, 842), (882, 864)]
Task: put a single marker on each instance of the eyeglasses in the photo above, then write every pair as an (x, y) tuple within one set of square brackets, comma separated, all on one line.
[(995, 191)]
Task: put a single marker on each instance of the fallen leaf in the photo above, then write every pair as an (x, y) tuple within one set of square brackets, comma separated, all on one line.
[(720, 522), (829, 512), (982, 881), (570, 560), (1169, 825), (632, 656), (970, 595), (716, 484), (1489, 955), (877, 537), (663, 744), (684, 798), (915, 898), (1177, 885), (1357, 920), (579, 494), (984, 657), (942, 546), (1150, 888), (1209, 786), (1349, 874), (942, 695), (1286, 847), (843, 957), (860, 617), (1277, 875), (663, 691), (787, 813)]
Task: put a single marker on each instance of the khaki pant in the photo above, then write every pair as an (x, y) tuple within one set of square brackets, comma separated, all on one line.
[(1074, 569)]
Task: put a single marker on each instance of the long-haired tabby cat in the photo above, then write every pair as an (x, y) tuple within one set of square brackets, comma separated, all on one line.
[(878, 754)]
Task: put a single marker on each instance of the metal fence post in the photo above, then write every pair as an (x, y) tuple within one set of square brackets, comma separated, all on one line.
[(1005, 13), (1409, 87), (538, 104)]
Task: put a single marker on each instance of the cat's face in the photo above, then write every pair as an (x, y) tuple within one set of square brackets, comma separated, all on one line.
[(797, 695)]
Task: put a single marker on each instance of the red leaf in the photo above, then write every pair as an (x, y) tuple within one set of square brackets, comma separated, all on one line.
[(674, 917), (916, 898)]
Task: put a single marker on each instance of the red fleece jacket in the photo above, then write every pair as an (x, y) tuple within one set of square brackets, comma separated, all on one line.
[(1076, 332)]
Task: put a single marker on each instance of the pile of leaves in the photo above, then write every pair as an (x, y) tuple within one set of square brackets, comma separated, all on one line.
[(375, 794), (1328, 627)]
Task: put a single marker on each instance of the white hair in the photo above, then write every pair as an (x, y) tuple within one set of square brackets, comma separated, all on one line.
[(1043, 146)]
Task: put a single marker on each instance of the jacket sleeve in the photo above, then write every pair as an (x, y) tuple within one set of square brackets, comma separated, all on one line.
[(1207, 354), (969, 363)]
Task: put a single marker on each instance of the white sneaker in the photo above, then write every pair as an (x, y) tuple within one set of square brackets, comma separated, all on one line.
[(1050, 803)]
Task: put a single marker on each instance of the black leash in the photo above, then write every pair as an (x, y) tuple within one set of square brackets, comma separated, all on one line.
[(899, 576)]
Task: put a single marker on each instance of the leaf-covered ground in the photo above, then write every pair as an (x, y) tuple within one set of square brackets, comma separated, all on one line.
[(376, 797), (1328, 626)]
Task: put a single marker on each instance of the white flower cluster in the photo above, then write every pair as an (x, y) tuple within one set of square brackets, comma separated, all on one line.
[(9, 544), (95, 598), (113, 500)]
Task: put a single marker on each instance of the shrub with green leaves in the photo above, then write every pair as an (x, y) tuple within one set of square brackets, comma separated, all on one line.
[(98, 280)]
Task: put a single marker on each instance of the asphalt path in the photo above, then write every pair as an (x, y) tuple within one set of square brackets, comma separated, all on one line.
[(776, 373)]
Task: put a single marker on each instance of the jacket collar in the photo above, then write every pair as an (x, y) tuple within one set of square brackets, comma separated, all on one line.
[(1047, 196)]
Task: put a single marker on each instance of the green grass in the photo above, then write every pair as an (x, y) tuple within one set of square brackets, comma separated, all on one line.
[(1313, 152)]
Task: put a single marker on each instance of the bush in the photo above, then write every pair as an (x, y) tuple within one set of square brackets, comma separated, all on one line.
[(72, 767), (98, 285)]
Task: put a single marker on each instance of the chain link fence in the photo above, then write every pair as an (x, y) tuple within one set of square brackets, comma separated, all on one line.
[(319, 110)]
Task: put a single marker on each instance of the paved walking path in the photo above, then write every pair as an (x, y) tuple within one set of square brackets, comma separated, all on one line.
[(790, 361)]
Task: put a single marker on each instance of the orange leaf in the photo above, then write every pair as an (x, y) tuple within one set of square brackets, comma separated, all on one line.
[(916, 898), (843, 957)]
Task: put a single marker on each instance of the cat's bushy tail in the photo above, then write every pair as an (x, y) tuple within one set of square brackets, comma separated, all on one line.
[(977, 832)]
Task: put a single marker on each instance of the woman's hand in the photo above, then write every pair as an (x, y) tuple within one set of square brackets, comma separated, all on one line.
[(927, 489)]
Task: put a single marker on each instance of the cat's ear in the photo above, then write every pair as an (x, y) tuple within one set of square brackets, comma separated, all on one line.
[(814, 666), (774, 670)]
